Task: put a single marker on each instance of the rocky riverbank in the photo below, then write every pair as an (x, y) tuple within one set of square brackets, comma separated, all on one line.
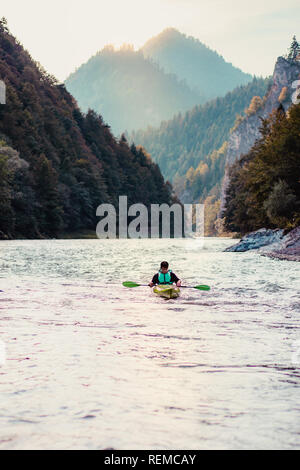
[(288, 248), (258, 239), (271, 243)]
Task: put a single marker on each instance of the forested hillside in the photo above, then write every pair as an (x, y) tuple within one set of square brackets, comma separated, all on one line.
[(264, 188), (57, 164), (203, 69), (185, 141), (128, 90)]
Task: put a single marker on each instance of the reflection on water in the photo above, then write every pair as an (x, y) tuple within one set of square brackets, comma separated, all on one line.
[(91, 364)]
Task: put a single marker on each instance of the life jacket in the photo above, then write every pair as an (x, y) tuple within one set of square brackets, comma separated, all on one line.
[(164, 278)]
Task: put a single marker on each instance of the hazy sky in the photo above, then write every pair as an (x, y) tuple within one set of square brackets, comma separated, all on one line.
[(61, 34)]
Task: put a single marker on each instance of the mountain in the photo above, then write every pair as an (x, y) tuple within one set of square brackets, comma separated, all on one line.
[(203, 69), (248, 131), (186, 140), (128, 90), (261, 187), (57, 164), (171, 73)]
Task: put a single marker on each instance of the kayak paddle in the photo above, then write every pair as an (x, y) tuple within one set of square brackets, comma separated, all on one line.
[(202, 287), (134, 284)]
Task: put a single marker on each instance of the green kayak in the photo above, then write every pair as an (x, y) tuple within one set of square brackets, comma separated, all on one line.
[(167, 291)]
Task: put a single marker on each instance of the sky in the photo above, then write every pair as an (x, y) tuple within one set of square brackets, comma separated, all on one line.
[(62, 34)]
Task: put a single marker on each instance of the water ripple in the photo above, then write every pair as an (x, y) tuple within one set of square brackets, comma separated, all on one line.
[(93, 365)]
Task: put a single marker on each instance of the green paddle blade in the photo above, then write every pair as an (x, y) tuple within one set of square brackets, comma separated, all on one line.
[(130, 284), (134, 284)]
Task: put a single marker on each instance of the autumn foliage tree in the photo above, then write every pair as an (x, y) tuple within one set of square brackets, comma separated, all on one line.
[(264, 188)]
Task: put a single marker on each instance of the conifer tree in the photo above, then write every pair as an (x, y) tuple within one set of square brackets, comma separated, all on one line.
[(49, 202), (6, 216), (3, 25), (294, 49)]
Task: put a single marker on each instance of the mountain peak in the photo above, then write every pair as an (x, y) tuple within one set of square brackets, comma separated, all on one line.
[(193, 61), (169, 36), (170, 33), (129, 90)]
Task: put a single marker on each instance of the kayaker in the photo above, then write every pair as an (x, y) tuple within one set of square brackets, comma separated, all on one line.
[(165, 276)]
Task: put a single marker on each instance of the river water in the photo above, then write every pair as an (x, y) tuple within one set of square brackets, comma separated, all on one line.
[(93, 365)]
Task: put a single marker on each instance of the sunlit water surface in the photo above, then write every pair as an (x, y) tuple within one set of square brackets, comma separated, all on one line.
[(93, 365)]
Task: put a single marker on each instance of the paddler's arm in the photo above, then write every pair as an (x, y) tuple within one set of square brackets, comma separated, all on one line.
[(175, 279), (154, 281)]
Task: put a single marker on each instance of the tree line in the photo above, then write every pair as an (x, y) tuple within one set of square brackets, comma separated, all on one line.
[(58, 164), (264, 189), (187, 139)]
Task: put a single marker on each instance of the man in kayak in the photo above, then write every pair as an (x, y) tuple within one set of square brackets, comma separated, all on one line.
[(165, 276)]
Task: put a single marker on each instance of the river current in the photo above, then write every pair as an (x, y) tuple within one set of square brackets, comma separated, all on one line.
[(89, 364)]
